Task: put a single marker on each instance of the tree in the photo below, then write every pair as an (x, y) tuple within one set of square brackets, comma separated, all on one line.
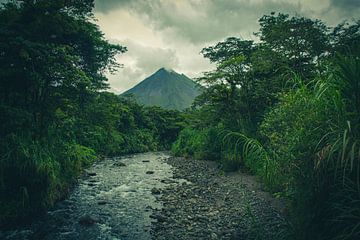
[(301, 40), (345, 38), (52, 64), (50, 54)]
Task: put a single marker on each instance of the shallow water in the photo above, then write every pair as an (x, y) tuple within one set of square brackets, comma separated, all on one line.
[(118, 198)]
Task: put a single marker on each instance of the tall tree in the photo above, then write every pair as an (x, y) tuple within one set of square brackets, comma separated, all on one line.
[(50, 54), (301, 40)]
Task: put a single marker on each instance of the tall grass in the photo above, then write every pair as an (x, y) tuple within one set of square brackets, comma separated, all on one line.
[(255, 157), (308, 152), (34, 174), (313, 137), (198, 143)]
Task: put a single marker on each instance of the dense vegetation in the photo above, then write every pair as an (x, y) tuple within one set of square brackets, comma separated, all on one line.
[(56, 117), (288, 108)]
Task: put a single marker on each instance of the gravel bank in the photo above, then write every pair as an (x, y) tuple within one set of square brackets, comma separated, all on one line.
[(214, 205)]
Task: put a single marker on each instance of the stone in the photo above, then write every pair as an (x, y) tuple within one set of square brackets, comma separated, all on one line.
[(119, 164), (155, 191), (88, 220), (167, 181), (214, 236), (159, 217)]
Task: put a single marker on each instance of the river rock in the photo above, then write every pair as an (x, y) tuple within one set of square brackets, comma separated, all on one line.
[(119, 164), (88, 220), (210, 205), (167, 181), (214, 236), (159, 217), (155, 191), (102, 202)]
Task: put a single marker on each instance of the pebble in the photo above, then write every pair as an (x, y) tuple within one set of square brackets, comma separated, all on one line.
[(155, 191), (102, 202), (119, 164), (213, 206), (88, 220)]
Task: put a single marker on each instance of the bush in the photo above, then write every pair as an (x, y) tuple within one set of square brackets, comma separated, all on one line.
[(315, 142), (33, 175), (308, 153), (189, 143), (206, 144)]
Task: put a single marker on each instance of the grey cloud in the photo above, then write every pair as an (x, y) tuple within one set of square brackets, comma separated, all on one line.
[(206, 21), (124, 79), (149, 59), (344, 10), (181, 28), (145, 61), (105, 6), (346, 4)]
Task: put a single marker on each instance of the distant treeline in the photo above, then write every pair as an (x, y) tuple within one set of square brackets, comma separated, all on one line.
[(287, 108), (55, 117)]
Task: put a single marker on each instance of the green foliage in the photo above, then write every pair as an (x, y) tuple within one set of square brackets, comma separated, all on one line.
[(200, 143), (189, 143), (317, 158), (34, 174), (300, 40), (289, 111), (254, 157), (56, 118)]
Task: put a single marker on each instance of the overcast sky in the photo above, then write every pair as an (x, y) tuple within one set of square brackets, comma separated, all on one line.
[(171, 33)]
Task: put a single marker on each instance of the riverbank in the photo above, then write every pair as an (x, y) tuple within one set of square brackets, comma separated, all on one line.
[(112, 200), (216, 205), (156, 196)]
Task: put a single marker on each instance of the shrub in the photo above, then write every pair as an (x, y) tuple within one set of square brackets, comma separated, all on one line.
[(33, 175), (316, 144)]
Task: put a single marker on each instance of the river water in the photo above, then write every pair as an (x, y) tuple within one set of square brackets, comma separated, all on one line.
[(113, 201)]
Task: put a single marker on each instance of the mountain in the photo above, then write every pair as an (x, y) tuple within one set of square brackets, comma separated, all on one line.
[(166, 88)]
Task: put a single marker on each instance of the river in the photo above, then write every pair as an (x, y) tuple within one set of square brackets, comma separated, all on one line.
[(114, 200)]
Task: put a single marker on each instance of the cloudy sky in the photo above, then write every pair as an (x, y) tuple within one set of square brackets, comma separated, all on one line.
[(171, 33)]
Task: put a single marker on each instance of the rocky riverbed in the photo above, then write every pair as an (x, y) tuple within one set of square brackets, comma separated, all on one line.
[(215, 205), (113, 200), (156, 196)]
